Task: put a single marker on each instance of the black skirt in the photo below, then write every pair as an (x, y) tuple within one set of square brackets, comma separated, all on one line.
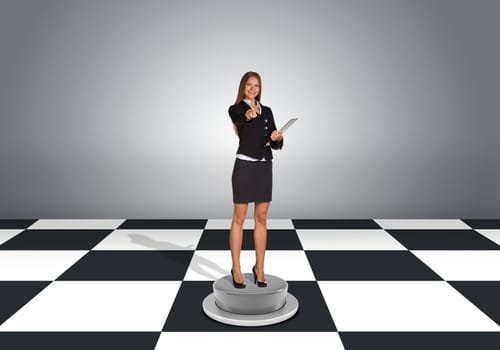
[(252, 181)]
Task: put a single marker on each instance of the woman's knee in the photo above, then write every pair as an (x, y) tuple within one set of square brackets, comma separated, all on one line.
[(238, 219), (239, 214), (260, 214), (260, 218)]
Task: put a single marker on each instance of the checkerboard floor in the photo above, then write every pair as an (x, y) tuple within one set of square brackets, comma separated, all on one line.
[(139, 284)]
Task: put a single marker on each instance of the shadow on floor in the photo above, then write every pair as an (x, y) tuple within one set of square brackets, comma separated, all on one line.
[(199, 264)]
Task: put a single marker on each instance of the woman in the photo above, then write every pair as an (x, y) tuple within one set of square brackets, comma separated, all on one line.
[(252, 173)]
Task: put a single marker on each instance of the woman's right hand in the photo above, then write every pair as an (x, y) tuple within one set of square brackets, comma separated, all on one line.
[(251, 113)]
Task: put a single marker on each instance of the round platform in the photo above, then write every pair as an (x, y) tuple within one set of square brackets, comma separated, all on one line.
[(252, 305), (287, 311), (250, 300)]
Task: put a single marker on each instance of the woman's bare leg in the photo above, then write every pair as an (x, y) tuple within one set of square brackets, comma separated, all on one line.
[(260, 237), (236, 238)]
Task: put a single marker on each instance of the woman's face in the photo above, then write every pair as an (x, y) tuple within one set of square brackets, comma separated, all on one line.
[(252, 88)]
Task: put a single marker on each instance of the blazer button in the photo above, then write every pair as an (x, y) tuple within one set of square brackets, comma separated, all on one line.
[(265, 127), (265, 120)]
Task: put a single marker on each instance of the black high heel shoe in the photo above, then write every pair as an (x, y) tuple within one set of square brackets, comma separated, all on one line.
[(259, 283), (236, 284)]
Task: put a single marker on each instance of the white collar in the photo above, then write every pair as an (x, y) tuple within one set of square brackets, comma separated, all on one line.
[(249, 103)]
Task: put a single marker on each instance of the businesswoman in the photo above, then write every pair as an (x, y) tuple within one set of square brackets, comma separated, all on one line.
[(252, 173)]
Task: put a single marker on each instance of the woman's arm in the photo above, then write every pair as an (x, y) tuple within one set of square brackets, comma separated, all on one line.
[(239, 115), (278, 144), (276, 136)]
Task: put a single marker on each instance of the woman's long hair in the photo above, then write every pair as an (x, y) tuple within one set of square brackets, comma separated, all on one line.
[(241, 90)]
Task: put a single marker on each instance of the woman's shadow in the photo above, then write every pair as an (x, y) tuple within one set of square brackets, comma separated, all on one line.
[(198, 263)]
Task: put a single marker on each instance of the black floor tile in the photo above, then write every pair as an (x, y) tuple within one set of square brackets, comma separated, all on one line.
[(443, 240), (163, 224), (79, 340), (7, 224), (316, 224), (130, 266), (368, 266), (484, 294), (483, 223), (56, 240), (276, 240), (15, 294), (186, 314), (420, 340)]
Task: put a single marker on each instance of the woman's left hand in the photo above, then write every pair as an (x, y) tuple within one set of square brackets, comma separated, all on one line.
[(277, 136)]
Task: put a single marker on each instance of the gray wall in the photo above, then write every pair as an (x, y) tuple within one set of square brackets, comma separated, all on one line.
[(118, 109)]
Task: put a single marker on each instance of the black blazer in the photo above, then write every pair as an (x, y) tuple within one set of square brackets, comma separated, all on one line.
[(255, 133)]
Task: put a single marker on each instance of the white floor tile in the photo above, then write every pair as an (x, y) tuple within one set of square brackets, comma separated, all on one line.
[(423, 224), (493, 235), (463, 265), (36, 265), (150, 240), (348, 240), (208, 265), (272, 224), (402, 306), (241, 340), (65, 224), (213, 264), (5, 235), (97, 306), (220, 224)]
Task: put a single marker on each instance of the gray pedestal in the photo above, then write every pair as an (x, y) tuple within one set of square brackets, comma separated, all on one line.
[(250, 306)]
